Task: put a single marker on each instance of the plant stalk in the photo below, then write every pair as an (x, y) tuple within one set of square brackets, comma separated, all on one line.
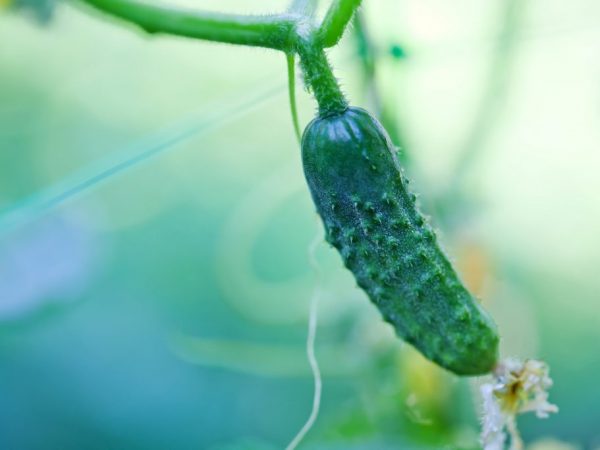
[(272, 31), (288, 32), (336, 20), (319, 78)]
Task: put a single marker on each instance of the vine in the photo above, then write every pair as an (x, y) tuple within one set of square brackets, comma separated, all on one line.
[(292, 32)]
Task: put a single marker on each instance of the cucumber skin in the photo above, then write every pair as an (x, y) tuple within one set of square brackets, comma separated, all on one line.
[(371, 218)]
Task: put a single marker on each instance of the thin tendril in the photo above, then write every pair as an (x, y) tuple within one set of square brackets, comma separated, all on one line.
[(310, 343), (291, 70)]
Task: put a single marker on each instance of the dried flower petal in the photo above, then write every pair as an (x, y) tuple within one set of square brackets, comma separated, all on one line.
[(517, 387)]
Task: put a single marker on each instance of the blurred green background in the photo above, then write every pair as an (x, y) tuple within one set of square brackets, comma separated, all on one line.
[(165, 305)]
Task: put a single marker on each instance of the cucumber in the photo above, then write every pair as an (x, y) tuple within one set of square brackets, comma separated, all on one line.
[(371, 218)]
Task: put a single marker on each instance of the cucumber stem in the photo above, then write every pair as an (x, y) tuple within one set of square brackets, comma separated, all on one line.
[(318, 76)]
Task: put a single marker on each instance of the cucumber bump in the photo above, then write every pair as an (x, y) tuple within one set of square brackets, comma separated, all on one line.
[(371, 218)]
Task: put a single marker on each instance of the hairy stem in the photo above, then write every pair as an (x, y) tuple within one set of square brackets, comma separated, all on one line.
[(319, 78), (337, 18), (274, 31)]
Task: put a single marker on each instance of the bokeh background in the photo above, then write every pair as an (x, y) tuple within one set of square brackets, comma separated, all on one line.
[(155, 226)]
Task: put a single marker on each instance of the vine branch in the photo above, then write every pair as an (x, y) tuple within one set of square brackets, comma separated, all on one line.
[(271, 31), (291, 32), (335, 21)]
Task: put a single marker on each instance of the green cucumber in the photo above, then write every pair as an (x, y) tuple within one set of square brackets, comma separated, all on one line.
[(371, 218)]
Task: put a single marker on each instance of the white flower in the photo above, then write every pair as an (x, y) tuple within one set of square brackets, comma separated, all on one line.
[(517, 387)]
